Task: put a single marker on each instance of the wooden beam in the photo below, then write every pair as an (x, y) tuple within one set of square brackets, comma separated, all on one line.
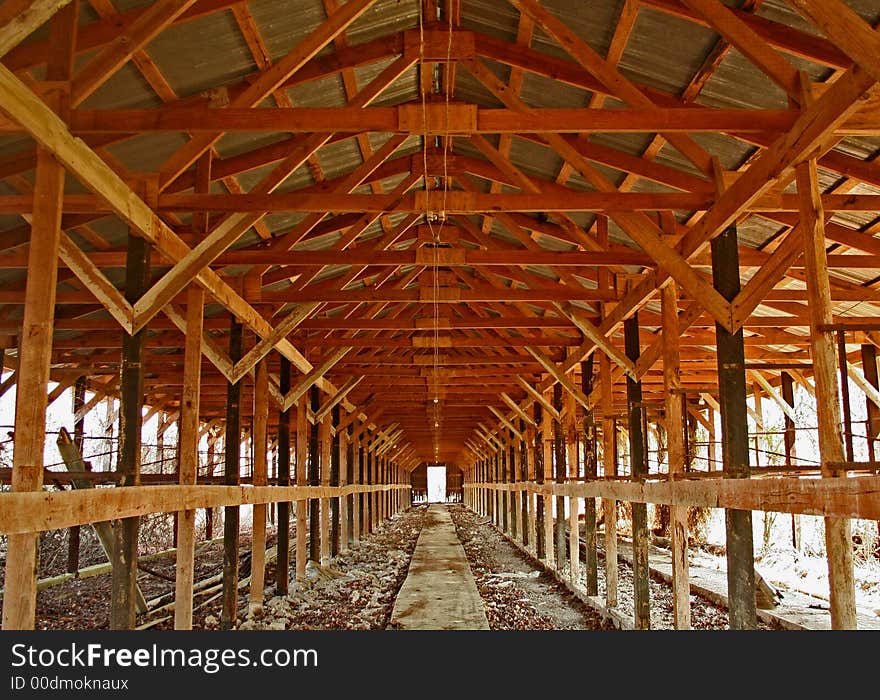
[(501, 417), (838, 542), (188, 443), (602, 342), (678, 516), (131, 39), (563, 379), (514, 406), (31, 392), (260, 446), (537, 396), (267, 82), (19, 18), (314, 375), (341, 393)]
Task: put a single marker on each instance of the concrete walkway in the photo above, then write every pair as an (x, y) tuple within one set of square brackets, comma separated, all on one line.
[(439, 592)]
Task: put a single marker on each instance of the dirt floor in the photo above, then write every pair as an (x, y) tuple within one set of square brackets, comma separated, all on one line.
[(516, 595)]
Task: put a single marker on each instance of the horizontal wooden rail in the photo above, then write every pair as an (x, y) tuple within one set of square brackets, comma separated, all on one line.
[(39, 511), (856, 497)]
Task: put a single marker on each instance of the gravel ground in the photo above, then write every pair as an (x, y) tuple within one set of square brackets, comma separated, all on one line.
[(517, 597), (356, 592)]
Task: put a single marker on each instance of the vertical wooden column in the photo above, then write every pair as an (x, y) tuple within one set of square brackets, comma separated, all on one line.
[(303, 439), (638, 460), (734, 436), (548, 443), (260, 446), (531, 520), (232, 468), (31, 398), (538, 454), (326, 446), (519, 505), (315, 468), (588, 435), (789, 446), (838, 539), (869, 369), (343, 480), (502, 479), (609, 468), (681, 606), (188, 450), (356, 478), (209, 512), (512, 496), (559, 469), (369, 472), (334, 481), (131, 389), (872, 426), (282, 564), (571, 452), (79, 402)]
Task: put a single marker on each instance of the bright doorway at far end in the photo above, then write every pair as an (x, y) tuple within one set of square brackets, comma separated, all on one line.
[(437, 484)]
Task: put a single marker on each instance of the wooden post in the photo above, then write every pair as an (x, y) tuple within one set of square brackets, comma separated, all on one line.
[(314, 480), (571, 450), (356, 478), (609, 468), (231, 514), (844, 395), (559, 464), (209, 512), (334, 481), (282, 564), (31, 398), (639, 469), (789, 447), (734, 436), (547, 431), (678, 528), (303, 439), (188, 450), (343, 480), (326, 447), (513, 496), (79, 402), (872, 425), (260, 443), (869, 369), (131, 389), (530, 497), (591, 561), (838, 540), (502, 478)]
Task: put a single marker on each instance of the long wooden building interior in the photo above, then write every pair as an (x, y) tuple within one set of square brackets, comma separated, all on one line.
[(539, 242)]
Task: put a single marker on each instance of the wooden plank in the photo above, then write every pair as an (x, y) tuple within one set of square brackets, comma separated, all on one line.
[(282, 566), (188, 447), (681, 606), (838, 542), (340, 394), (260, 446)]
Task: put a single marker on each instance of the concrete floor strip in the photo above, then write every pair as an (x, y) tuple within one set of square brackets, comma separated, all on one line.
[(439, 592)]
